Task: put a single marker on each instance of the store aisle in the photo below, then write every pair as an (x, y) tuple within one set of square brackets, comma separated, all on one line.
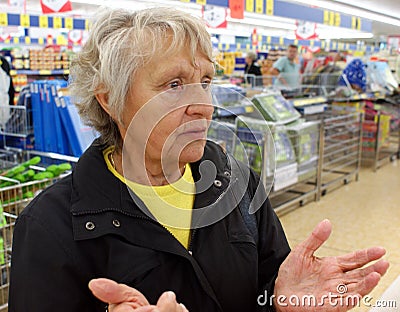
[(364, 213)]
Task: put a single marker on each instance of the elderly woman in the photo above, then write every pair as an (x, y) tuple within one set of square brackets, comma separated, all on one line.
[(252, 70), (106, 236)]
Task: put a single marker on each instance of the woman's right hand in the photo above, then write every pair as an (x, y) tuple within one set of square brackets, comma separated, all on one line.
[(122, 298)]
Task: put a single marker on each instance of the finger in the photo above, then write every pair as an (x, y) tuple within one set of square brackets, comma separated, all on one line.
[(123, 307), (111, 292), (366, 285), (148, 308), (167, 302), (360, 258), (379, 267), (318, 236)]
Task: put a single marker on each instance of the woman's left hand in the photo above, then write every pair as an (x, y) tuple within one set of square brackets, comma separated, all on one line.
[(309, 283), (122, 298)]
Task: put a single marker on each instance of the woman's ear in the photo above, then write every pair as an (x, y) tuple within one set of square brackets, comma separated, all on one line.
[(102, 98)]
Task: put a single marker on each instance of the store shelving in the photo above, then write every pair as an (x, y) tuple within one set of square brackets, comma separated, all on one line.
[(42, 72)]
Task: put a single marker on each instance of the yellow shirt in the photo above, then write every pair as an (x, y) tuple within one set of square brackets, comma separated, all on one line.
[(171, 204)]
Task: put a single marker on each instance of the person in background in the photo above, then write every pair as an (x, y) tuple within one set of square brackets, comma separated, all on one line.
[(141, 224), (252, 70), (287, 70), (6, 91), (8, 84)]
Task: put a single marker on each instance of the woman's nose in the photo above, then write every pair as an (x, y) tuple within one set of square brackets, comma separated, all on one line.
[(201, 109), (199, 100)]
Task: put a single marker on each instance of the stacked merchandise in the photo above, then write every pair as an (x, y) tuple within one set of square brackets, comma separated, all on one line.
[(57, 125), (305, 140), (222, 133), (294, 140), (229, 101), (49, 58), (259, 140), (275, 108), (381, 121)]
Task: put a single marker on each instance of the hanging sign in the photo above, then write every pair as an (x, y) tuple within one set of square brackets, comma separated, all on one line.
[(313, 49), (4, 37), (306, 30), (254, 37), (237, 8), (75, 36), (54, 6), (215, 16)]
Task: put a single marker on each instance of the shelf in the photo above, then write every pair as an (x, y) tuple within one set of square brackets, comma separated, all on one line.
[(309, 101), (233, 110), (39, 72)]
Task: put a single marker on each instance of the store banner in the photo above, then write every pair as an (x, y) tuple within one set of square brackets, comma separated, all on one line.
[(306, 30), (55, 6), (237, 8), (214, 16)]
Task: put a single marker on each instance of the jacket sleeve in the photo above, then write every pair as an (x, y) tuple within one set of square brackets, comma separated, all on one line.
[(273, 249), (43, 275)]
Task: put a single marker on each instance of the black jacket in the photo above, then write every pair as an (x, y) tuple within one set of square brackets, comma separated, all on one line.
[(253, 74), (56, 252)]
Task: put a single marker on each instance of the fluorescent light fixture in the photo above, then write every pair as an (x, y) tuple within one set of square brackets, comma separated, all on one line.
[(373, 6), (264, 23), (330, 32), (351, 11), (344, 35), (229, 32)]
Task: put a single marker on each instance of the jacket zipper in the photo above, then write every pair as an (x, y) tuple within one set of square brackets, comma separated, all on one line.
[(190, 247)]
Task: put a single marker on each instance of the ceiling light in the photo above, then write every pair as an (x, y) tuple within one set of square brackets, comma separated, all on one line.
[(264, 23)]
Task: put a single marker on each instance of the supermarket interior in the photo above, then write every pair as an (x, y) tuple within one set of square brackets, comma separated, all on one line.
[(305, 93)]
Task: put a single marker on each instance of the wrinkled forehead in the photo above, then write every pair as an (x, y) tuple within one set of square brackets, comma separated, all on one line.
[(168, 43)]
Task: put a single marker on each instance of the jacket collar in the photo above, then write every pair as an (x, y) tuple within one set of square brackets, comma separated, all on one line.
[(96, 189)]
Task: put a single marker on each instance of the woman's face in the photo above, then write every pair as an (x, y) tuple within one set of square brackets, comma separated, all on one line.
[(170, 118)]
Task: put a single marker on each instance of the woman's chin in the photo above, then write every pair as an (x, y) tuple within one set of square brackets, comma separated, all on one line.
[(192, 152)]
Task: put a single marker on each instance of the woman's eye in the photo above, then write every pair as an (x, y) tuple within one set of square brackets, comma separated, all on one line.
[(206, 84), (175, 85)]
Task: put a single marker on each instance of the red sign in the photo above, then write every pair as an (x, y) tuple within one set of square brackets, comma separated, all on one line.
[(75, 36), (55, 6), (254, 37), (237, 8)]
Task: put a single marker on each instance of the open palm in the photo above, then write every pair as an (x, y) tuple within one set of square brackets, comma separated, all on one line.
[(331, 284)]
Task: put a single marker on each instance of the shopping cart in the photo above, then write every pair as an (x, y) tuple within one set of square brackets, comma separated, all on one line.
[(13, 199)]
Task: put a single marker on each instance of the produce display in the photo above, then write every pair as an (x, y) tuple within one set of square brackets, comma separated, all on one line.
[(28, 171)]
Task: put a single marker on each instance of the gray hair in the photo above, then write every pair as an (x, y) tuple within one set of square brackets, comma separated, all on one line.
[(121, 42), (251, 55)]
